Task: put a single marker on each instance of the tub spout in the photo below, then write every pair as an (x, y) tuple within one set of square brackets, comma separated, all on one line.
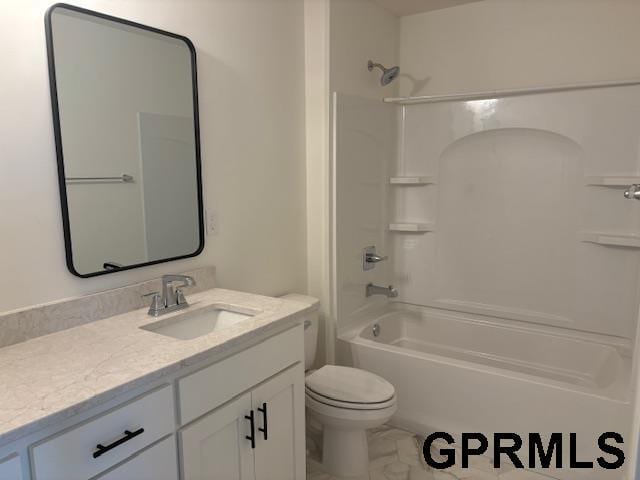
[(376, 290)]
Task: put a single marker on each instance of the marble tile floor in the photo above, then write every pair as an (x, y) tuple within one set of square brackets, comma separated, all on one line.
[(397, 455)]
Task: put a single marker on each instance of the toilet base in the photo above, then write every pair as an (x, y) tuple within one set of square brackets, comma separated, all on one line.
[(345, 453)]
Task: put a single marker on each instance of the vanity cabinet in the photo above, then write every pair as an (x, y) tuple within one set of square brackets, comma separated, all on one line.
[(257, 436), (10, 468), (241, 417)]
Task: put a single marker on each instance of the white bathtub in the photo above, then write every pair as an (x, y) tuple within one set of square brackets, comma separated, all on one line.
[(458, 373)]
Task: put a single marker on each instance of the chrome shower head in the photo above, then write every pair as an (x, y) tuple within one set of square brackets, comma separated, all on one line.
[(388, 74)]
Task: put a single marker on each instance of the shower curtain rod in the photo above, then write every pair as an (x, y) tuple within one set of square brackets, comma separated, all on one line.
[(506, 93)]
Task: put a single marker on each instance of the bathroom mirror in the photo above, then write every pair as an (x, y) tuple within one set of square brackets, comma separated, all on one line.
[(125, 116)]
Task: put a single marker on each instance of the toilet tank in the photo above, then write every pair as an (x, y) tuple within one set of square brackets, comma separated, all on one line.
[(311, 321)]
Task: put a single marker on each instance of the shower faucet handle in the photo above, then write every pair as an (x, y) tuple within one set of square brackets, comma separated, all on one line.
[(373, 258), (633, 192), (370, 258)]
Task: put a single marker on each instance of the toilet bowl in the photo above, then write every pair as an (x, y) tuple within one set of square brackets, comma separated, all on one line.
[(346, 402)]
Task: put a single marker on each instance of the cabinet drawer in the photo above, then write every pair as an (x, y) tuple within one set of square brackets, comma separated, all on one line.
[(70, 455), (210, 387), (156, 463)]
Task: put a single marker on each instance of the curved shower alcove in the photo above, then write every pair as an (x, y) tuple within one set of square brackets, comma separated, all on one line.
[(508, 214)]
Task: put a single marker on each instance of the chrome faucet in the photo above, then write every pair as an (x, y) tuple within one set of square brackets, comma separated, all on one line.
[(633, 192), (370, 258), (376, 290), (172, 297)]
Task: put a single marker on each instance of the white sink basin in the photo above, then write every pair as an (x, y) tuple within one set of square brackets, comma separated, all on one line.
[(197, 324)]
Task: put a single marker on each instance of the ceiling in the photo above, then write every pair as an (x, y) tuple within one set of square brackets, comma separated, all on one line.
[(409, 7)]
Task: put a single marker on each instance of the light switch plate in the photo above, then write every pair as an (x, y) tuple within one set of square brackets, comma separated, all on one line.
[(211, 221)]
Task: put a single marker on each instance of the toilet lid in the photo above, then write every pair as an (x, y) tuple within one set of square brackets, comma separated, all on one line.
[(352, 385), (311, 395)]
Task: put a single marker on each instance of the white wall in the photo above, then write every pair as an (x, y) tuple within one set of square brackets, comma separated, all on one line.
[(497, 44), (340, 36), (316, 17), (362, 31), (251, 80), (363, 140)]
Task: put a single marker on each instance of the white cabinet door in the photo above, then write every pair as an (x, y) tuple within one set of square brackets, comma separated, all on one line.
[(156, 463), (279, 408), (216, 448), (10, 468)]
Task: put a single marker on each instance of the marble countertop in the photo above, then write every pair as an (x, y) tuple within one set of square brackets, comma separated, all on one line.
[(51, 378)]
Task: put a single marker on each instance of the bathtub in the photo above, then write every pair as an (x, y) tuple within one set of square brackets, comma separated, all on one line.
[(458, 372)]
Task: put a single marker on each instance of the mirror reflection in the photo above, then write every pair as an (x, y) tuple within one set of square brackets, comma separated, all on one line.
[(127, 139)]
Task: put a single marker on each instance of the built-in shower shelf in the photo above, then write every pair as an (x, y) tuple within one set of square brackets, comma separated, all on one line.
[(410, 181), (412, 227), (630, 240), (613, 181)]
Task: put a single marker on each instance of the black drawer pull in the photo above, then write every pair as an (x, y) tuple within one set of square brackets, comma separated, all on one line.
[(251, 437), (264, 428), (101, 449)]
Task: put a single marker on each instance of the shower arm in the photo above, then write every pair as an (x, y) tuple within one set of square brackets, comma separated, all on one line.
[(371, 65)]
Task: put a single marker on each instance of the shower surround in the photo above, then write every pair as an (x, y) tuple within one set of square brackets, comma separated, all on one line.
[(515, 253)]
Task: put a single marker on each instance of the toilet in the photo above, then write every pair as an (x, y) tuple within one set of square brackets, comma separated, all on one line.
[(346, 402)]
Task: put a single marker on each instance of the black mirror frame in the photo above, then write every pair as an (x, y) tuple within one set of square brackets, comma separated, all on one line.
[(58, 137)]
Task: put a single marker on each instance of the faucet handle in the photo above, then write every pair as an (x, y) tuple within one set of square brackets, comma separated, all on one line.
[(156, 303), (633, 192), (373, 258), (180, 298), (370, 258)]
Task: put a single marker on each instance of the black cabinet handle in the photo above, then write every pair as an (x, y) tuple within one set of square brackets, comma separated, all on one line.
[(251, 437), (264, 428), (101, 449)]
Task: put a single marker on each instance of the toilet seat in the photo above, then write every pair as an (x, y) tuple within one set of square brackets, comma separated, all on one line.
[(349, 388), (349, 405)]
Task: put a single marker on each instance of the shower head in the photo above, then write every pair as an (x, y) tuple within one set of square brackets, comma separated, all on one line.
[(388, 74)]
